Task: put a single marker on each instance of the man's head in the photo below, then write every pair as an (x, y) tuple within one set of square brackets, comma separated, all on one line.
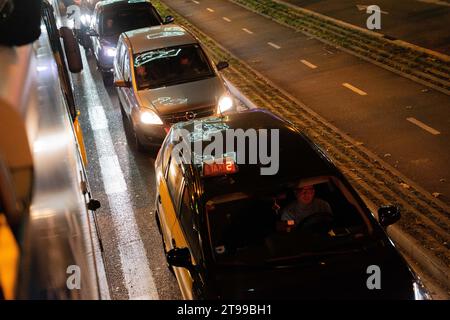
[(185, 61), (141, 71), (305, 194)]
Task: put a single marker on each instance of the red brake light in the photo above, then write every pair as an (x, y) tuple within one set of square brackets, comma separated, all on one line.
[(227, 166)]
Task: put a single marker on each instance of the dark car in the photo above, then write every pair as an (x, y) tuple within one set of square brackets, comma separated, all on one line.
[(223, 229), (110, 19)]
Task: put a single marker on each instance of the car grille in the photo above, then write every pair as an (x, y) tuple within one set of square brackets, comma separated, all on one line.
[(188, 115)]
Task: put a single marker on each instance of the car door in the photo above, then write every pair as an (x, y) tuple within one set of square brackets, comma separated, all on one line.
[(170, 191), (168, 200), (188, 227)]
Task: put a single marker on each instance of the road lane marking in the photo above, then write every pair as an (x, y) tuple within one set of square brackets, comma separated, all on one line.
[(423, 126), (248, 31), (226, 19), (113, 179), (134, 266), (210, 10), (354, 89), (273, 45), (196, 2), (97, 114), (309, 64)]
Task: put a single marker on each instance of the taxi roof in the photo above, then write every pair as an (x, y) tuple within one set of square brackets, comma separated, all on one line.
[(157, 37), (299, 157)]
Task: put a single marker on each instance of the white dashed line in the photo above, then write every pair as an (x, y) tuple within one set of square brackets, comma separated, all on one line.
[(246, 30), (97, 114), (423, 126), (309, 64), (196, 2), (273, 45), (137, 275), (226, 19), (354, 89), (210, 10)]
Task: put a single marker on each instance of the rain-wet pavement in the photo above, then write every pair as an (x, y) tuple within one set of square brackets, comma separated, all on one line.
[(122, 179)]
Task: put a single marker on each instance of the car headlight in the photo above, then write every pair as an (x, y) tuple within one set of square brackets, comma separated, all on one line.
[(150, 117), (85, 19), (110, 52), (420, 293), (225, 104)]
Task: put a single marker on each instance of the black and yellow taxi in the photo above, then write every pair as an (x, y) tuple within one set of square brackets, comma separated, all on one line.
[(224, 226)]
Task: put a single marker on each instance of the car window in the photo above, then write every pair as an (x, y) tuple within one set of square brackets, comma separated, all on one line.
[(126, 18), (126, 67), (187, 220), (166, 156), (174, 179), (251, 227), (171, 66), (119, 58)]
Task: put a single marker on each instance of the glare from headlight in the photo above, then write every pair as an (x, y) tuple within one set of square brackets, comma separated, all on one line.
[(420, 292), (85, 19), (110, 52), (149, 117), (225, 103)]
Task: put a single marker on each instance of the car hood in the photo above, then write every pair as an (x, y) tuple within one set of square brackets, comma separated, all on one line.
[(338, 276), (183, 97)]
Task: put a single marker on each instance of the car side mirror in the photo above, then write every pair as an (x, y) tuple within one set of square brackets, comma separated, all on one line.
[(169, 19), (388, 215), (92, 33), (122, 84), (222, 65), (93, 204), (179, 257)]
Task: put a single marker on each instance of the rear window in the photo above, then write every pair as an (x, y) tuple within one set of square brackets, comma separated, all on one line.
[(125, 18)]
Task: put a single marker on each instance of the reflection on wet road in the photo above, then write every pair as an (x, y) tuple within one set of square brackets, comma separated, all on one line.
[(123, 181)]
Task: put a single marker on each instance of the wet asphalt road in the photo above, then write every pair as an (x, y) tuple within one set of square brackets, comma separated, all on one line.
[(123, 181)]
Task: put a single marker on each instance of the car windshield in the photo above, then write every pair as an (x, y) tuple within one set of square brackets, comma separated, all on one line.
[(263, 228), (170, 66), (128, 18)]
